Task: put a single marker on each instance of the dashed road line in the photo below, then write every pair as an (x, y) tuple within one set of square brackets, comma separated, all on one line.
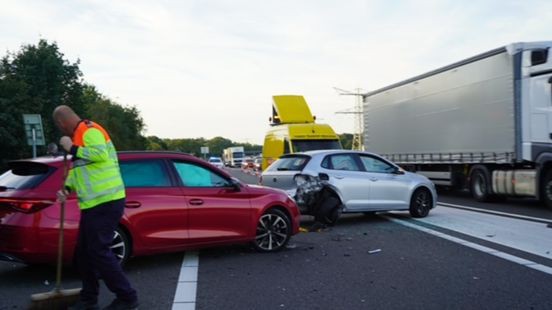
[(475, 246), (186, 290)]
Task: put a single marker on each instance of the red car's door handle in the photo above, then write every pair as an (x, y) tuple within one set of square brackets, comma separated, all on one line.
[(196, 202), (133, 204)]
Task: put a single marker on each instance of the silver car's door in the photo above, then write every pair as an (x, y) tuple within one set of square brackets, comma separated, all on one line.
[(388, 190), (345, 173)]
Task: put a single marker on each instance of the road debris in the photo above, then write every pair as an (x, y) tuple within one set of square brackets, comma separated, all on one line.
[(374, 251), (291, 246)]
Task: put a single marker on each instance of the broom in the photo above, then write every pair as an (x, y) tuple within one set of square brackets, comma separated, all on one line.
[(58, 298)]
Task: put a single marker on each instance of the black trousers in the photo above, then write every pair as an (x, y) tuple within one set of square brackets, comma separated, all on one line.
[(93, 256)]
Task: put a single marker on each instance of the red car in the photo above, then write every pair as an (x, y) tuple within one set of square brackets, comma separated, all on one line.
[(174, 202)]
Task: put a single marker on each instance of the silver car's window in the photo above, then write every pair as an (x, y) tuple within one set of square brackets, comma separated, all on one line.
[(289, 163), (372, 164), (343, 162)]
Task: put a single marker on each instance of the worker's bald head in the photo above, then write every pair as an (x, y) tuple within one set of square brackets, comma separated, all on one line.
[(66, 119)]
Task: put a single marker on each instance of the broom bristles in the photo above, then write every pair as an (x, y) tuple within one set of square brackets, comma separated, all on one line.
[(56, 299)]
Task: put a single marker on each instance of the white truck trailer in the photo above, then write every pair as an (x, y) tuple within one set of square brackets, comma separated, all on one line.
[(233, 156), (483, 123)]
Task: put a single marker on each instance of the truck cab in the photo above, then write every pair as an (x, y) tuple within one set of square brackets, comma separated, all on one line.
[(293, 129), (535, 81)]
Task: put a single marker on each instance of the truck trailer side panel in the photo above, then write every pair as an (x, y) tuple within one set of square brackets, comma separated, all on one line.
[(467, 111)]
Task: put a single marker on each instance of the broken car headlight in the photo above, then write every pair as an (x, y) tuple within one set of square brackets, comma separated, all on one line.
[(300, 179)]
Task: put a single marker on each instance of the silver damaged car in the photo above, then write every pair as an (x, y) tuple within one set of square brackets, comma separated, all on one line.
[(327, 183)]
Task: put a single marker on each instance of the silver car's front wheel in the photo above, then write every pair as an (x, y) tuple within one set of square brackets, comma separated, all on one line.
[(273, 231), (420, 203)]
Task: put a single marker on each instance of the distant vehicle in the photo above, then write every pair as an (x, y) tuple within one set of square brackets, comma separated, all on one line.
[(175, 202), (258, 163), (293, 129), (233, 156), (483, 123), (327, 183), (216, 161), (248, 163)]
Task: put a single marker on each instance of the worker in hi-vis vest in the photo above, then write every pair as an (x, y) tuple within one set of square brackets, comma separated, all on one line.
[(95, 177)]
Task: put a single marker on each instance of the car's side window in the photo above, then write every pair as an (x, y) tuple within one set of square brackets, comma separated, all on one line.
[(326, 163), (372, 164), (193, 175), (144, 173), (344, 162)]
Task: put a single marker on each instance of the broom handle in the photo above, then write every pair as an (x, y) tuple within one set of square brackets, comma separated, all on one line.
[(61, 224)]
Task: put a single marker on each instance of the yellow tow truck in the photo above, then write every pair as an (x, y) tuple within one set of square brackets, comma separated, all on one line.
[(293, 129)]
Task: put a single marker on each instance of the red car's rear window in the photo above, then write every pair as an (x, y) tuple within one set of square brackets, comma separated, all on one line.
[(24, 175)]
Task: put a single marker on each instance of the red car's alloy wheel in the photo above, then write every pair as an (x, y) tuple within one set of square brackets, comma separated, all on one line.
[(120, 246), (273, 231)]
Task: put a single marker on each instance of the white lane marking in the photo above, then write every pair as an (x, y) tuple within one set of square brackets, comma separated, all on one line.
[(186, 290), (528, 236), (506, 256), (525, 217)]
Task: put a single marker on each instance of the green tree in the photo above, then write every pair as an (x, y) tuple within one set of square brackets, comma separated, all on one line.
[(217, 144), (193, 146), (155, 143), (38, 78), (34, 81), (124, 124)]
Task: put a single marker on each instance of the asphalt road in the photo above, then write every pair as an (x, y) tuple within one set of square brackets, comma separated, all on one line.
[(336, 268)]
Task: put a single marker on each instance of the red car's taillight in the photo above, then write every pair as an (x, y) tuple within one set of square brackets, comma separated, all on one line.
[(25, 206)]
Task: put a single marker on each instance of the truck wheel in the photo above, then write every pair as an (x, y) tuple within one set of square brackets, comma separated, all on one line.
[(479, 185), (329, 211), (420, 203), (547, 190)]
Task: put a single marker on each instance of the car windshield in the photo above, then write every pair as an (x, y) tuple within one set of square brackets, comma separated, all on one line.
[(23, 175), (290, 163), (313, 145), (214, 160), (238, 154)]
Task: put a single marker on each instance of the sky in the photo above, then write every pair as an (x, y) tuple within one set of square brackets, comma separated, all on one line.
[(210, 68)]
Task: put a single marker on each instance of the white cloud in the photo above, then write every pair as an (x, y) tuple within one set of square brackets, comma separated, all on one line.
[(208, 68)]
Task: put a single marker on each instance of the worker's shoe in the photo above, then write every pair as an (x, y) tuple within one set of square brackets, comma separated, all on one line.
[(80, 305), (118, 304)]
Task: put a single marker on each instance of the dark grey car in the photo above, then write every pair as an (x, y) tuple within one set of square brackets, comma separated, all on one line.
[(326, 183)]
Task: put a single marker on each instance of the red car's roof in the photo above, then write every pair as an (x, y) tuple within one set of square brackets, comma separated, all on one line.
[(57, 161)]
